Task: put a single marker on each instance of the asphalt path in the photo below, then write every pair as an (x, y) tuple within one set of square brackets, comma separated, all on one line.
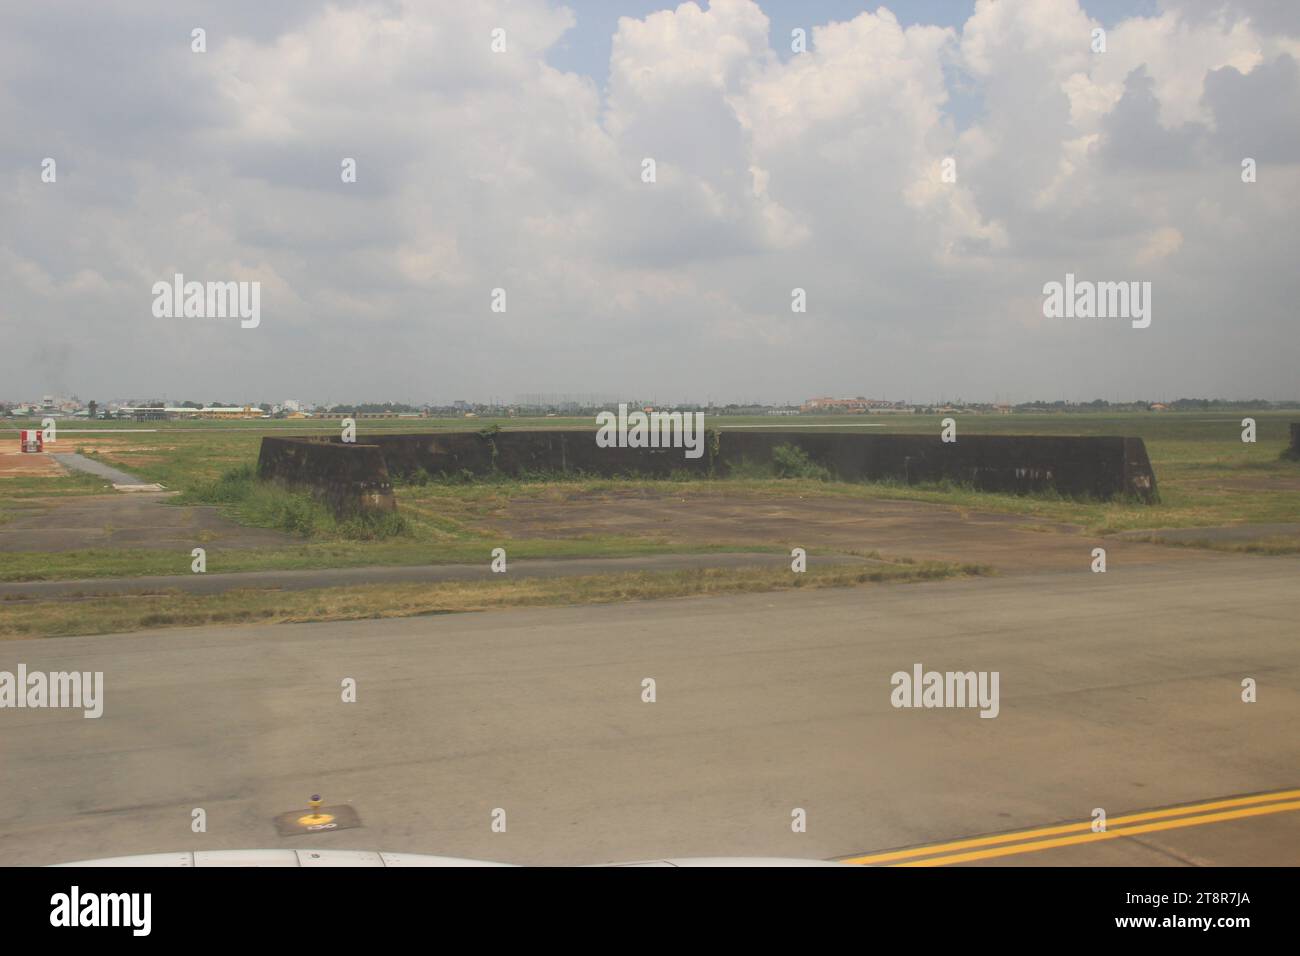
[(97, 468), (296, 580)]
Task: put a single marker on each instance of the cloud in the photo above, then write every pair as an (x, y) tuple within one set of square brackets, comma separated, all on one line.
[(478, 170), (1255, 114), (1133, 136)]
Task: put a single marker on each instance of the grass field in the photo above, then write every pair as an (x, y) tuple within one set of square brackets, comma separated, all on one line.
[(1206, 475)]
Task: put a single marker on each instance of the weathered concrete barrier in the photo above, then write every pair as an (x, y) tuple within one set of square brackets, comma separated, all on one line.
[(1097, 467), (521, 453), (350, 478)]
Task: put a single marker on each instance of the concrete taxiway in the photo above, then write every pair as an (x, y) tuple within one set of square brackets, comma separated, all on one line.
[(1120, 691)]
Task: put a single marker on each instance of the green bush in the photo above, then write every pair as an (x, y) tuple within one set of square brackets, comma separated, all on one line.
[(233, 486), (283, 510), (418, 478), (747, 470), (371, 526), (270, 505), (789, 461)]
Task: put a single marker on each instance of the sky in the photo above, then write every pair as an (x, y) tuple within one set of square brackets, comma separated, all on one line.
[(921, 171)]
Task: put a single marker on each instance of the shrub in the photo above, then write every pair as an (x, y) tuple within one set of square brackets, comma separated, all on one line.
[(789, 461), (373, 526), (233, 486)]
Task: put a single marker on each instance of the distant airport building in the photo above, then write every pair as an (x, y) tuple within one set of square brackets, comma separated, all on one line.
[(331, 415), (155, 413), (856, 406)]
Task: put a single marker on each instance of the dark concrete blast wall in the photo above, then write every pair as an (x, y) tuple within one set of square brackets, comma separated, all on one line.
[(1096, 467), (347, 477)]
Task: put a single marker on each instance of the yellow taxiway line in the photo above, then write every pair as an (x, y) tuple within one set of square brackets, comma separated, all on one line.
[(1070, 834)]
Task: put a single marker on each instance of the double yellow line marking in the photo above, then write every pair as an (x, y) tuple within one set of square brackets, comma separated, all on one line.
[(1072, 834)]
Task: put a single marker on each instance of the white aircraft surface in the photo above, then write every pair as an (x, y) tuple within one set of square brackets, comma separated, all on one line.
[(188, 858)]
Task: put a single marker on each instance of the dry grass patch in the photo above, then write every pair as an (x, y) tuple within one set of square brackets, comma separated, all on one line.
[(93, 614)]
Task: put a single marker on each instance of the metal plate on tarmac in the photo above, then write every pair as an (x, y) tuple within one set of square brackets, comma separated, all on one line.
[(324, 820)]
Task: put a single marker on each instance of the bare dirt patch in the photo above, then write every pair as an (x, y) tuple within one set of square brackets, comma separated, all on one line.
[(13, 463), (114, 444), (125, 449), (143, 520), (1009, 543)]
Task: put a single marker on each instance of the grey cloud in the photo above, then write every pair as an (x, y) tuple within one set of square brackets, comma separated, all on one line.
[(1134, 138), (1257, 114), (1272, 16)]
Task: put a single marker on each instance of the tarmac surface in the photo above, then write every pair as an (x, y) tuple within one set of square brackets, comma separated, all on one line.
[(1120, 691)]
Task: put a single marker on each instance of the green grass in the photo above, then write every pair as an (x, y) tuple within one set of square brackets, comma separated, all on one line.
[(311, 555), (24, 487), (1273, 544), (261, 504), (441, 524), (102, 615), (1183, 446), (1206, 477)]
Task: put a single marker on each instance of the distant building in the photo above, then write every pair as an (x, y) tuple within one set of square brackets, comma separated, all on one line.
[(859, 405), (145, 413), (834, 405), (237, 411), (153, 413)]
